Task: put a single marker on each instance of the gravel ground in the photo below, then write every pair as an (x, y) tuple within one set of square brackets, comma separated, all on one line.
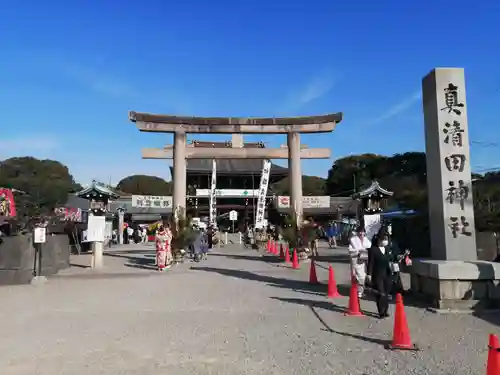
[(231, 314)]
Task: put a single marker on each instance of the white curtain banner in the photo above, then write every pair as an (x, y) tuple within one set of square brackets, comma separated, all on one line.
[(213, 209), (373, 224), (261, 200)]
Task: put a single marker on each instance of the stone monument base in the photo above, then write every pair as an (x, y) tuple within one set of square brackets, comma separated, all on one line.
[(457, 285)]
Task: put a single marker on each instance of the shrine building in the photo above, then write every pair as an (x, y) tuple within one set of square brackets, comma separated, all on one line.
[(237, 184)]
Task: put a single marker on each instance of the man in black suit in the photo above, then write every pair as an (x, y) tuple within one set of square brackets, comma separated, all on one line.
[(379, 273)]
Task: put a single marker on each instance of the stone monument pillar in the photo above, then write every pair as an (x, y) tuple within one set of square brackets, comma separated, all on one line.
[(451, 210), (453, 278), (179, 177), (295, 176)]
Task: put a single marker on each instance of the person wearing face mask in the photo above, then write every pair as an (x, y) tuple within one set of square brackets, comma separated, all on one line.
[(379, 273)]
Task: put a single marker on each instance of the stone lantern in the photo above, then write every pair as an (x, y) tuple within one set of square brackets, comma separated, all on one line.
[(99, 197), (373, 201)]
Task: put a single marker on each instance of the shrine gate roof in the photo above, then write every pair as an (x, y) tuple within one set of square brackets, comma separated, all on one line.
[(149, 122)]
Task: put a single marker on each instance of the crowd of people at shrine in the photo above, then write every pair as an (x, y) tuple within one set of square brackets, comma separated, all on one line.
[(374, 262)]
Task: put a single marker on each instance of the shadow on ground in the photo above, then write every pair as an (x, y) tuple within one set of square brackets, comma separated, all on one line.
[(79, 265), (144, 259), (333, 258), (264, 258), (325, 305), (327, 328), (277, 282)]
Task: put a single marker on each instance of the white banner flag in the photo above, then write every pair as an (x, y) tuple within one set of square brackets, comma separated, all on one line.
[(373, 224), (261, 201), (213, 209)]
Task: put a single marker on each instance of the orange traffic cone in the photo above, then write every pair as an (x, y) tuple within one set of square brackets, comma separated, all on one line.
[(287, 254), (275, 248), (401, 339), (282, 254), (268, 246), (332, 285), (353, 309), (313, 278), (493, 364), (295, 260)]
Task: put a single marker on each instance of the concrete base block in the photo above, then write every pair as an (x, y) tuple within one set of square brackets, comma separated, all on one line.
[(457, 285), (38, 280)]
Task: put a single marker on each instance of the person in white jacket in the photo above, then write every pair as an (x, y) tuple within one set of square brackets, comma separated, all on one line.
[(358, 253)]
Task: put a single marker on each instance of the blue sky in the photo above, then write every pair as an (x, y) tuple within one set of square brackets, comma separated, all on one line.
[(69, 73)]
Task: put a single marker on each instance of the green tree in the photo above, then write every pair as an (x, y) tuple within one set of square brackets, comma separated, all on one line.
[(486, 191), (311, 185), (45, 183), (145, 185), (349, 174), (405, 175)]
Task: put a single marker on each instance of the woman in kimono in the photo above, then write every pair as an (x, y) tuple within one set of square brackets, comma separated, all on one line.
[(163, 248), (358, 254)]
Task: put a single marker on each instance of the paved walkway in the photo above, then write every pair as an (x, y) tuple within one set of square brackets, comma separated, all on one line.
[(232, 314)]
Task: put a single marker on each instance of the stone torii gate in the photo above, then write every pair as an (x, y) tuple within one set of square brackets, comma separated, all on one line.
[(180, 126)]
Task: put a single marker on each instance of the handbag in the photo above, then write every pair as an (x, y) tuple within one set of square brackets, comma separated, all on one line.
[(394, 267)]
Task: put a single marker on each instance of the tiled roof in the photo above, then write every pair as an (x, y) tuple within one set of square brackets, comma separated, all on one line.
[(98, 188), (231, 166), (374, 187)]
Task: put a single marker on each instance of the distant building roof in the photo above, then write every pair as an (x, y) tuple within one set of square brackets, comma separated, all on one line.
[(97, 188), (231, 166), (374, 188)]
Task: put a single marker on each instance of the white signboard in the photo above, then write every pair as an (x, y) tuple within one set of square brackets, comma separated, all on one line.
[(151, 201), (213, 208), (372, 225), (261, 200), (40, 235), (96, 228), (233, 215), (229, 193), (320, 201)]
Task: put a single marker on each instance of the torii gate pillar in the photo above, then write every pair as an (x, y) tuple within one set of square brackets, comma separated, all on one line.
[(295, 176), (179, 177)]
